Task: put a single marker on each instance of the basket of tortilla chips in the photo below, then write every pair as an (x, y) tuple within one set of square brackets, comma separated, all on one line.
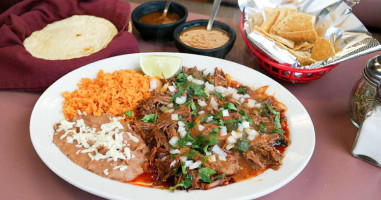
[(302, 41)]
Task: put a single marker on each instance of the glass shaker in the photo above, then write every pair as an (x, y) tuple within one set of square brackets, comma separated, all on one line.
[(367, 144), (363, 93)]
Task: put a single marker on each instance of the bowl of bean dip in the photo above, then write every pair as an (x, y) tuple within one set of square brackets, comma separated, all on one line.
[(192, 37)]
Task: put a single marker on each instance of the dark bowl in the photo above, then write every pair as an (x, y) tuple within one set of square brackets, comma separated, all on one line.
[(219, 52), (159, 30)]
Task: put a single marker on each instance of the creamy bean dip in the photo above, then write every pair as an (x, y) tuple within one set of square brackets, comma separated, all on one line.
[(200, 38)]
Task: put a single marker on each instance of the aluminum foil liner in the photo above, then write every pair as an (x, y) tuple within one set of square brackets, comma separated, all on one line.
[(334, 21)]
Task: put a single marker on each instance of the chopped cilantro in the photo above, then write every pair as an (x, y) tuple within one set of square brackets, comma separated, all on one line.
[(232, 124), (182, 142), (218, 115), (230, 106), (193, 106), (205, 174), (221, 122), (179, 93), (196, 90), (205, 149), (219, 177), (188, 125), (184, 168), (149, 118), (128, 113), (181, 77), (262, 128), (215, 130), (204, 118), (243, 144), (212, 140), (185, 183), (271, 109), (246, 117), (277, 121), (277, 130), (218, 95), (242, 90), (191, 154)]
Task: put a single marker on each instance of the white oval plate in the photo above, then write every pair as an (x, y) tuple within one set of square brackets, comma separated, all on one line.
[(48, 111)]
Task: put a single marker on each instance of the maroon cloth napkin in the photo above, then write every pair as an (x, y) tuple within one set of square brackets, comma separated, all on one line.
[(19, 70)]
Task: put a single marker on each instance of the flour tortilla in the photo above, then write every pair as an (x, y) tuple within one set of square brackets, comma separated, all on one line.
[(73, 37)]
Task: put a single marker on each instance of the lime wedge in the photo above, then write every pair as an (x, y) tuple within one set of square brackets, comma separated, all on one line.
[(158, 65)]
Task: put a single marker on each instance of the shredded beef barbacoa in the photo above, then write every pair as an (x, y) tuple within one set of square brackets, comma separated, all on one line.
[(198, 145)]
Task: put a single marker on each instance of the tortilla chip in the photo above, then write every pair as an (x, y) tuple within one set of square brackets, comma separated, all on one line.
[(322, 49), (295, 22), (279, 39), (300, 36), (303, 46), (283, 12), (271, 16), (304, 57)]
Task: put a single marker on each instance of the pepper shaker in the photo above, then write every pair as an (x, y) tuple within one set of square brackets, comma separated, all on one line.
[(364, 92), (367, 144)]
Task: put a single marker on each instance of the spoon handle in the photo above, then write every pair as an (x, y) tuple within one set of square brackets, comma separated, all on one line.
[(166, 7), (216, 5)]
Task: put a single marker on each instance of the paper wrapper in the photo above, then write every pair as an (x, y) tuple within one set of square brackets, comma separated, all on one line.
[(334, 21)]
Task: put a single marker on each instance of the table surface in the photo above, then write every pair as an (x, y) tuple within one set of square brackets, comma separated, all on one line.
[(332, 172)]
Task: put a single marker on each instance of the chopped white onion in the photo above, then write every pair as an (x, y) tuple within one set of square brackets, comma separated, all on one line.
[(175, 151), (172, 88), (217, 150), (181, 100), (183, 158), (188, 163), (214, 103), (195, 165), (190, 78), (173, 140), (229, 146), (251, 103), (231, 139), (201, 103), (175, 117), (173, 163), (200, 127), (223, 130), (245, 124), (198, 82), (225, 113)]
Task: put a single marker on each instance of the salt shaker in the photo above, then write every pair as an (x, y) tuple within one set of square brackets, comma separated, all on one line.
[(367, 144), (363, 93)]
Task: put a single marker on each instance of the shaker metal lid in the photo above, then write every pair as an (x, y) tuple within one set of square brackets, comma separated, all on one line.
[(372, 71)]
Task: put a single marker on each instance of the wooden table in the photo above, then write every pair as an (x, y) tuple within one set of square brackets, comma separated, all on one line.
[(332, 172)]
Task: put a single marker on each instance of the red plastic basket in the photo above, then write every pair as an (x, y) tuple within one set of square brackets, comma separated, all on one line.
[(283, 71)]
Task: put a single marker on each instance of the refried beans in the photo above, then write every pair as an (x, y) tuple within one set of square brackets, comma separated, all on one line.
[(200, 38), (104, 145)]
